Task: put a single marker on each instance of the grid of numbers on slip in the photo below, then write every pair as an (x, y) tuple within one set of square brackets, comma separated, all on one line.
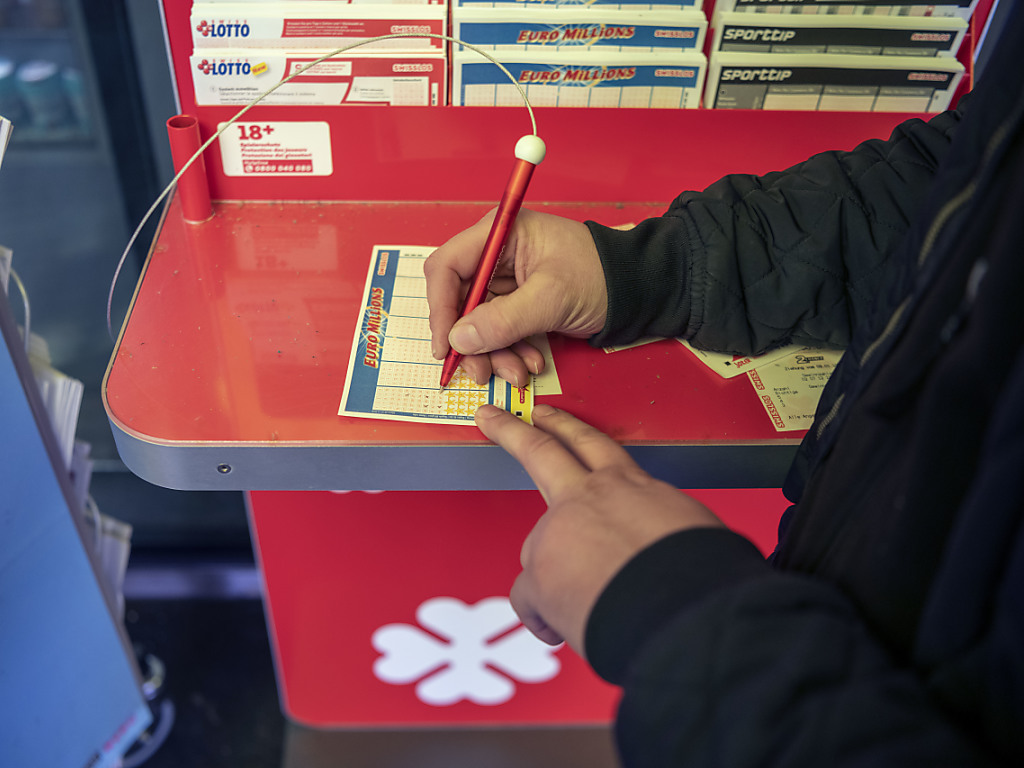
[(410, 265), (461, 381), (453, 404), (402, 350), (409, 306), (419, 402), (463, 403), (410, 287), (410, 91), (402, 375), (401, 327)]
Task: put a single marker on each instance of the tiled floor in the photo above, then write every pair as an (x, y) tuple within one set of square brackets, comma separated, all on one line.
[(218, 677)]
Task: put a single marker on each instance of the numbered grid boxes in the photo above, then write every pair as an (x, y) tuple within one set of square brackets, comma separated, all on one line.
[(570, 79)]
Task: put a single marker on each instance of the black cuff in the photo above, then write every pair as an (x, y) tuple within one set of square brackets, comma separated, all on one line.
[(646, 270), (656, 585)]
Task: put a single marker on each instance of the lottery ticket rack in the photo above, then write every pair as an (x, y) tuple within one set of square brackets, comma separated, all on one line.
[(229, 369)]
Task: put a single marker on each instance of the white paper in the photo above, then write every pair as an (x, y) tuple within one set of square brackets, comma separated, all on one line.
[(727, 366), (789, 389), (392, 373)]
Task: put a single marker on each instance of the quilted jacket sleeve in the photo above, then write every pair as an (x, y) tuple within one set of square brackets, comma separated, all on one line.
[(753, 262), (727, 662)]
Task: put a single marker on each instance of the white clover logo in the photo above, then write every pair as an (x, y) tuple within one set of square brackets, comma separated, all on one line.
[(479, 657)]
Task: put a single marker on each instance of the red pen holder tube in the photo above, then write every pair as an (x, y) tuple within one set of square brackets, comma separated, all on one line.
[(193, 188)]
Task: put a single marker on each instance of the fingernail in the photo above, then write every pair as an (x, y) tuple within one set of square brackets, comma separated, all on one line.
[(508, 375), (466, 339), (543, 409), (487, 412)]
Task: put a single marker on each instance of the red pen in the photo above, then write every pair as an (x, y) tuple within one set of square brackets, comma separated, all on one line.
[(529, 153)]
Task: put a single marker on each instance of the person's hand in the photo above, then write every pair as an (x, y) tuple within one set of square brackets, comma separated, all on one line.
[(549, 278), (602, 510)]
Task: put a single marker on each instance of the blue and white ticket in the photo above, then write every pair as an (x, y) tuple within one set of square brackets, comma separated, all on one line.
[(580, 78), (594, 29), (391, 372)]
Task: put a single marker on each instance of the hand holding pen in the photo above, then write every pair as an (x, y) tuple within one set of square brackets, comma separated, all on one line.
[(549, 278), (529, 152)]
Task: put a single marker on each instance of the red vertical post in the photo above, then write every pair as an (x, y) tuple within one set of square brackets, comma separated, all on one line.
[(193, 188)]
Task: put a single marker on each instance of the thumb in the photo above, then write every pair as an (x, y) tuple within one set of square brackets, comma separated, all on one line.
[(501, 322)]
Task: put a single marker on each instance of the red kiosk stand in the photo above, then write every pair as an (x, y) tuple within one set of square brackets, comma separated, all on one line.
[(387, 609)]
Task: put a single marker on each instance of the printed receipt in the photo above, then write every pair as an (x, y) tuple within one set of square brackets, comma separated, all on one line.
[(788, 380), (391, 372), (789, 388)]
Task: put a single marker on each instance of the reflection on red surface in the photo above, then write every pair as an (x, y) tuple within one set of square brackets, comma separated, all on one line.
[(241, 330)]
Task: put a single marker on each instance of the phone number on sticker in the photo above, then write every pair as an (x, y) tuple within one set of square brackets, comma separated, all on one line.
[(279, 167)]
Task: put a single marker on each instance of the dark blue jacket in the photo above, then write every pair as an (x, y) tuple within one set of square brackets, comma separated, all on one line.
[(888, 629)]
